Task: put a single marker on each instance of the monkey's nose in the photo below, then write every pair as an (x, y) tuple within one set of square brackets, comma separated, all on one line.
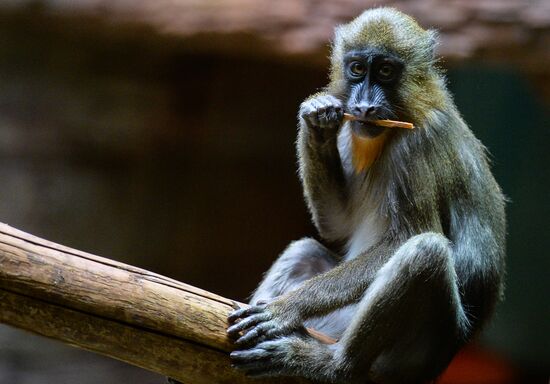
[(365, 111)]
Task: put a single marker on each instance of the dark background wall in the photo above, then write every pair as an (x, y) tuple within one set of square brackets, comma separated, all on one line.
[(136, 147), (503, 111)]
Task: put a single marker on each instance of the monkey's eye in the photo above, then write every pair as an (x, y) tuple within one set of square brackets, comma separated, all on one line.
[(386, 72), (357, 69)]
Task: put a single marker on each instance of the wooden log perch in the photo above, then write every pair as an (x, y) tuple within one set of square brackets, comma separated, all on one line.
[(117, 310)]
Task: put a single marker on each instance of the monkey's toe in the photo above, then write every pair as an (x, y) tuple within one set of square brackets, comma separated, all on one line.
[(256, 362), (266, 359)]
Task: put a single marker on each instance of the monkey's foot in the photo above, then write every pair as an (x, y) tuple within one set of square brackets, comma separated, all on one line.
[(268, 358), (252, 325)]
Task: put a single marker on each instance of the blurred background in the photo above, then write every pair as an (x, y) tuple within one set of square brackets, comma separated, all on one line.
[(161, 134)]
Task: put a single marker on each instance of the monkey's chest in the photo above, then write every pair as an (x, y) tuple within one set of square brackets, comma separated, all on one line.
[(365, 150), (366, 234), (358, 151)]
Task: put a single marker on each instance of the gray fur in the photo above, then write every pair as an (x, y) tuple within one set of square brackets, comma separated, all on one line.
[(423, 228)]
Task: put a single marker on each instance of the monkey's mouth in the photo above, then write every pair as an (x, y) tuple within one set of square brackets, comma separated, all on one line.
[(366, 128)]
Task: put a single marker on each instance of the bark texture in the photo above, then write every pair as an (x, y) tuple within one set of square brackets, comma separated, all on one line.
[(115, 309)]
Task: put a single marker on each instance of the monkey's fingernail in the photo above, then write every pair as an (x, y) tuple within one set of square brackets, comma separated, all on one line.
[(233, 316)]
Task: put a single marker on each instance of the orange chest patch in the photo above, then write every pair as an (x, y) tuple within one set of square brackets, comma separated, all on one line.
[(365, 150)]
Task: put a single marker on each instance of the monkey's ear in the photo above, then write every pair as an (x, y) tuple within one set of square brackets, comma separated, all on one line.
[(433, 42), (337, 54), (337, 41)]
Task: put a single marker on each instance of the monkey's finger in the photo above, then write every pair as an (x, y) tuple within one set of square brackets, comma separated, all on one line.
[(311, 109), (308, 107), (254, 334), (244, 312), (249, 322), (249, 337), (330, 101), (315, 104), (236, 314), (312, 118), (335, 114), (247, 355)]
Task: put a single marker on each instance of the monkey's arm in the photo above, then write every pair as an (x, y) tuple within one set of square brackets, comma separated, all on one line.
[(320, 165), (342, 285)]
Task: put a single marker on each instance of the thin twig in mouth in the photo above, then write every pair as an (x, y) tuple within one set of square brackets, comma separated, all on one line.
[(380, 123)]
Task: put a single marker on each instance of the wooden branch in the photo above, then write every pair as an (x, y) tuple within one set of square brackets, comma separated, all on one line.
[(117, 310), (381, 123)]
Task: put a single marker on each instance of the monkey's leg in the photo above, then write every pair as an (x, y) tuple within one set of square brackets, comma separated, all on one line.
[(407, 326), (410, 322), (302, 260)]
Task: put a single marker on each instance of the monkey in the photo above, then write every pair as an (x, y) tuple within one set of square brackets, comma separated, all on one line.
[(411, 260)]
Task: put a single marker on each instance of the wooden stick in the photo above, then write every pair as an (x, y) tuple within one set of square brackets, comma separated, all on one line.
[(382, 123), (117, 310)]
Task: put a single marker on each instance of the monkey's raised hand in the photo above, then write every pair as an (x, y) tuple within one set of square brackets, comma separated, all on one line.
[(322, 111), (260, 322)]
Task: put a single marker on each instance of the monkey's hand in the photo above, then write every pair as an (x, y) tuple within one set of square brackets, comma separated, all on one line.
[(322, 114), (261, 322)]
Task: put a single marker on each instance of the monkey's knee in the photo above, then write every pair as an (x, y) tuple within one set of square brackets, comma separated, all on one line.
[(428, 258), (307, 245), (309, 256), (421, 274), (427, 253), (301, 260)]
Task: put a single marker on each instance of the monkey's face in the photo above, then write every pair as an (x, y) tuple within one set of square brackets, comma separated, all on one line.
[(371, 80), (384, 59)]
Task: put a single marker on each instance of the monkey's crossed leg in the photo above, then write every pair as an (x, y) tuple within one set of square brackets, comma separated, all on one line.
[(418, 283)]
